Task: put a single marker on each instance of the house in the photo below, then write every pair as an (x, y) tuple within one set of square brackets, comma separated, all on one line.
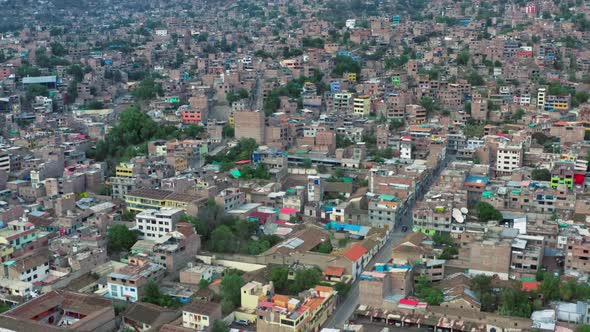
[(128, 282), (200, 315), (61, 310), (141, 316), (356, 255)]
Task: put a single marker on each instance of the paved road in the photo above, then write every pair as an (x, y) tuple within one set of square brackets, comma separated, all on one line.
[(346, 308)]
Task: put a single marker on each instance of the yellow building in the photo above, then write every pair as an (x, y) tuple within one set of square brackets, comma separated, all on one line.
[(362, 105), (253, 292), (350, 77), (231, 120), (146, 198), (124, 170)]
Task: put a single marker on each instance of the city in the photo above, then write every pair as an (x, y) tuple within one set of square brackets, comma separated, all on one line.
[(295, 166)]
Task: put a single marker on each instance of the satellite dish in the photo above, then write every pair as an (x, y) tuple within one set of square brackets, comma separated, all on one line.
[(456, 214), (460, 219), (464, 210)]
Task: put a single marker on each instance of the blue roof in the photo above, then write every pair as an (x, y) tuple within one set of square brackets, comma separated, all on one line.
[(40, 80), (477, 179)]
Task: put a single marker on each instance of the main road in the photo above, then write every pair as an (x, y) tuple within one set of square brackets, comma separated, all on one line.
[(347, 308)]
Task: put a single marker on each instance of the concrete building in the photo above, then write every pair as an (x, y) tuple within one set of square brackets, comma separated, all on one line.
[(250, 124), (383, 211), (153, 224), (230, 198), (578, 255), (508, 158), (362, 105), (526, 256), (128, 282), (61, 310), (200, 315)]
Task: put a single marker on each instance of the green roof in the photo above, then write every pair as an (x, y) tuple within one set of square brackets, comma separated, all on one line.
[(486, 194), (235, 173), (386, 197), (347, 180), (516, 192)]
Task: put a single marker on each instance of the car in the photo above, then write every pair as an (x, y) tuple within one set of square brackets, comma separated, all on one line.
[(404, 229), (243, 322)]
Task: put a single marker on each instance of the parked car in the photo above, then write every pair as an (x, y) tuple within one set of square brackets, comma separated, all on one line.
[(243, 322)]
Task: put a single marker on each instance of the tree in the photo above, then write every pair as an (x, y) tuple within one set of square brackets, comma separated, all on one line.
[(127, 215), (518, 114), (58, 49), (228, 132), (203, 283), (305, 279), (35, 90), (486, 212), (541, 174), (280, 278), (220, 326), (148, 89), (514, 302), (396, 124), (72, 92), (425, 291), (549, 287), (427, 103), (230, 289), (583, 328), (482, 286), (475, 79), (106, 190), (120, 238), (440, 238), (307, 163), (76, 72), (463, 58), (223, 240), (325, 247), (342, 141)]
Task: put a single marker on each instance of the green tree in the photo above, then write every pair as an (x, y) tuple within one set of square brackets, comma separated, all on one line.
[(120, 238), (148, 89), (549, 287), (325, 247), (58, 49), (223, 240), (486, 212), (307, 163), (127, 215), (342, 141), (541, 174), (305, 279), (475, 79), (514, 302), (220, 326), (76, 72), (425, 291), (228, 132), (203, 283), (35, 90), (463, 58), (440, 238), (106, 190), (280, 278), (428, 104), (396, 124), (583, 328), (230, 289), (517, 116)]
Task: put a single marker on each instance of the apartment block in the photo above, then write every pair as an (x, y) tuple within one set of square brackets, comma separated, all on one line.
[(362, 105), (250, 124), (153, 224), (128, 282)]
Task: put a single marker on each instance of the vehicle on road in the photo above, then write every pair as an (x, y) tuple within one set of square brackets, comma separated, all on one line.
[(404, 229), (243, 322)]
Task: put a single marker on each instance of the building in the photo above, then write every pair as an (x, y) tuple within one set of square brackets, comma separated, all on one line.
[(253, 292), (383, 211), (508, 158), (5, 161), (230, 198), (362, 105), (147, 317), (526, 256), (250, 124), (193, 116), (147, 198), (128, 282), (308, 312), (61, 310), (315, 189), (32, 268), (578, 255), (200, 315), (126, 170), (153, 224)]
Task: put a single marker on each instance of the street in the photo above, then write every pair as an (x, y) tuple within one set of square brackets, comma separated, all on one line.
[(347, 308)]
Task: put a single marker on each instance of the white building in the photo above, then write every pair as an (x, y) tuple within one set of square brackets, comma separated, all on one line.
[(154, 224), (4, 161), (508, 158), (161, 32), (406, 148), (541, 98)]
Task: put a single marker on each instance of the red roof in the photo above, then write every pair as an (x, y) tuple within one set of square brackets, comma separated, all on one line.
[(529, 286), (242, 162), (408, 302), (334, 271), (355, 252)]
